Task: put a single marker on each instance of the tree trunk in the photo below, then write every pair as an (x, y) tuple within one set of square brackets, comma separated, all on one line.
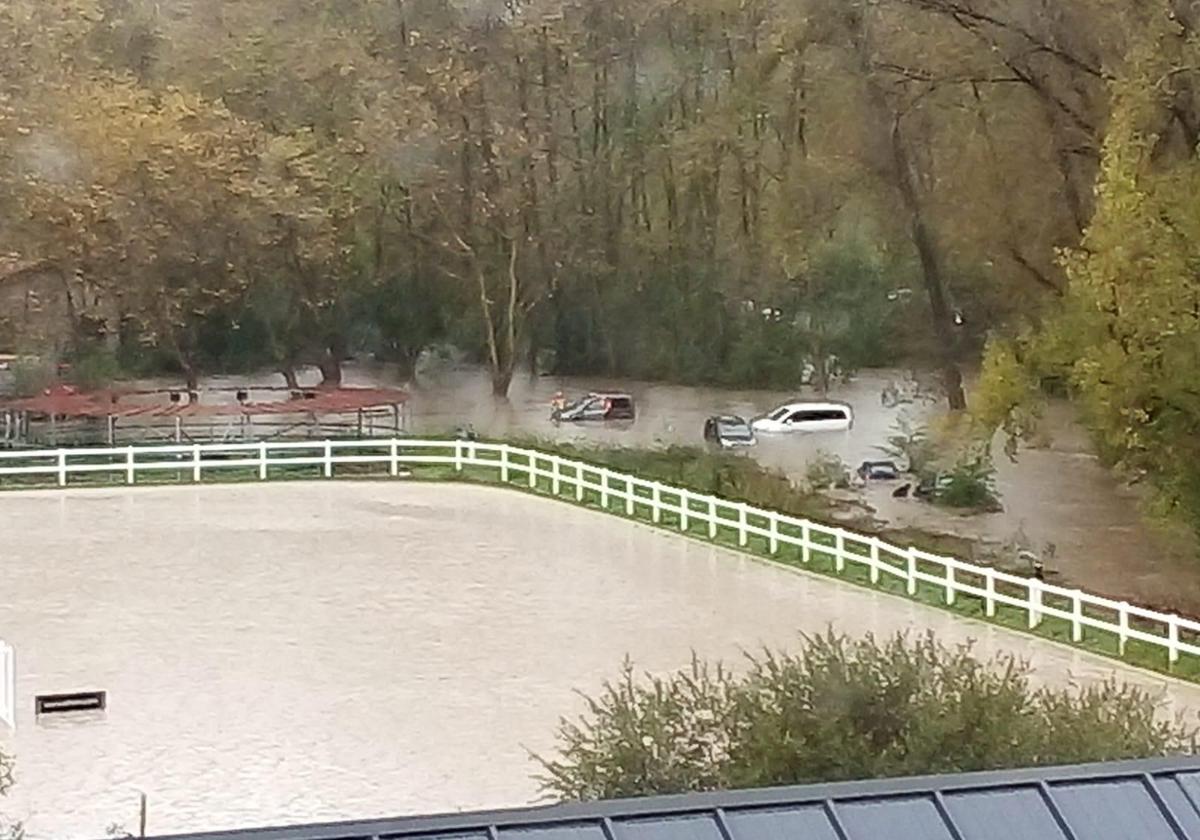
[(289, 377), (931, 271)]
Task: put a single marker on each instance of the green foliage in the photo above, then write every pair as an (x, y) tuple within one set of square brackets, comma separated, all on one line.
[(970, 484), (703, 471), (839, 709), (911, 444), (827, 470), (95, 368), (32, 375)]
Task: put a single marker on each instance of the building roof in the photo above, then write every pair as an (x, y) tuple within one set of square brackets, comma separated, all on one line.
[(1156, 799), (66, 401)]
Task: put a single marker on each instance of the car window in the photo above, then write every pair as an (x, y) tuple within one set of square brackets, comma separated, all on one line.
[(778, 414)]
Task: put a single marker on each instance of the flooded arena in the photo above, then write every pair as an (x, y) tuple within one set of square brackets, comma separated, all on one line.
[(300, 652)]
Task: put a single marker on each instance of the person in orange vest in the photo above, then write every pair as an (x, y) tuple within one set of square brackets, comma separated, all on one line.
[(557, 404)]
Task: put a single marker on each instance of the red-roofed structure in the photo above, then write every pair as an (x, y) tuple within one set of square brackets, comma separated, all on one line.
[(64, 414)]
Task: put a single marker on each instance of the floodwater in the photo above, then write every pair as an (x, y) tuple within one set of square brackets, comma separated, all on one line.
[(1058, 494), (298, 652)]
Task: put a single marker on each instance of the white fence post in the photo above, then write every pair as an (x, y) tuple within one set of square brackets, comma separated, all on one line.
[(532, 469), (743, 534), (504, 462), (1035, 602), (950, 593), (989, 581), (1173, 638), (630, 492), (262, 462), (712, 518), (458, 456), (62, 468), (604, 488), (328, 459), (578, 482), (805, 542), (875, 560), (1076, 618), (773, 527), (1123, 622), (8, 685), (685, 507), (129, 468), (394, 454), (912, 570), (555, 477), (839, 551), (655, 503), (196, 462)]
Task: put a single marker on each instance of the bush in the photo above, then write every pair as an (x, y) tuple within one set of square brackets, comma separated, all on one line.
[(32, 376), (910, 444), (95, 369), (841, 709), (827, 470), (970, 484)]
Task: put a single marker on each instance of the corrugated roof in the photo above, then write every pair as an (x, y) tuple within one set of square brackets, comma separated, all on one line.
[(66, 401), (1156, 799)]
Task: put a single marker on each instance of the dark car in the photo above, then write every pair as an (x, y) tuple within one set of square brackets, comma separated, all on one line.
[(728, 431), (597, 407), (878, 471)]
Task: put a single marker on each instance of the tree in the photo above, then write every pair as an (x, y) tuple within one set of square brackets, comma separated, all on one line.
[(837, 710), (1127, 334)]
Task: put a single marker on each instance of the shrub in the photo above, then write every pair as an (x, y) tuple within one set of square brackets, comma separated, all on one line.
[(970, 484), (827, 470), (32, 376), (94, 369), (911, 444), (839, 709)]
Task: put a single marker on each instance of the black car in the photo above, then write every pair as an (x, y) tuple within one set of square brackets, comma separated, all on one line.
[(728, 431), (878, 471)]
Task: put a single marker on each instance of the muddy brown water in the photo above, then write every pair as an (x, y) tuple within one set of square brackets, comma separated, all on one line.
[(1058, 494), (295, 652)]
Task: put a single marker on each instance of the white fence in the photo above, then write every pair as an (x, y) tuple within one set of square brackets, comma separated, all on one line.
[(875, 561), (8, 685)]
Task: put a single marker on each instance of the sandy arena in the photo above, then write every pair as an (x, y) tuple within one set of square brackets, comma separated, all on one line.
[(300, 652)]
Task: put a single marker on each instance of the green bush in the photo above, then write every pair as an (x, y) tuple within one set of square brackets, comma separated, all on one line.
[(970, 484), (31, 376), (839, 709), (911, 444), (95, 369), (827, 470)]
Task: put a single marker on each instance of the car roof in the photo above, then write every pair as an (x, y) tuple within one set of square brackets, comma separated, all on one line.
[(818, 406), (730, 419), (620, 394)]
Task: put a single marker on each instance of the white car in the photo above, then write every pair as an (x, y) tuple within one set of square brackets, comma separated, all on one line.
[(807, 417)]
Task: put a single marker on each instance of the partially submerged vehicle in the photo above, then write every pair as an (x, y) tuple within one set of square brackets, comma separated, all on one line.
[(728, 431), (595, 407), (878, 471), (807, 417)]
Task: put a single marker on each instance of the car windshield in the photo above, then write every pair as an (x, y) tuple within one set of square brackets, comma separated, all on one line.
[(778, 414), (733, 427)]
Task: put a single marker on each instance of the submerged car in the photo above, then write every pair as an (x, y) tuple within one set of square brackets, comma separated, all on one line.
[(878, 471), (596, 407), (728, 431), (807, 417)]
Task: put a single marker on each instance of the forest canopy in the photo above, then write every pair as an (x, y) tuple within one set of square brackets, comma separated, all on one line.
[(725, 191)]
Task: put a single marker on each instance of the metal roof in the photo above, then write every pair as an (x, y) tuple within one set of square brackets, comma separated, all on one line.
[(1156, 799)]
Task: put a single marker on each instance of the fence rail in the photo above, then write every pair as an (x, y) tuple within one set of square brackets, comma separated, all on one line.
[(8, 685), (663, 504)]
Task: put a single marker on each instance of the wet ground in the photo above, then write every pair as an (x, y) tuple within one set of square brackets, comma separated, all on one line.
[(300, 652)]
